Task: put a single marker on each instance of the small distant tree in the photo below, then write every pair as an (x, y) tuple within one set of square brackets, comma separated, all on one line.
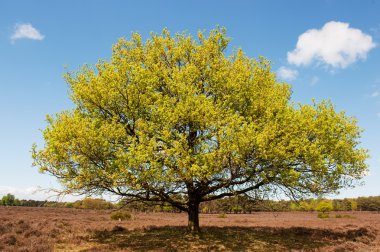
[(324, 206), (371, 203), (89, 203), (304, 206), (176, 120), (205, 209), (346, 205), (338, 205), (277, 206), (342, 205), (8, 200), (236, 209), (69, 205), (354, 204)]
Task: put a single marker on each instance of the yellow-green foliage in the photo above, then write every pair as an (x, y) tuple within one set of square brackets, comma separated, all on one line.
[(304, 206), (324, 206), (323, 215), (222, 215), (167, 207), (354, 205), (175, 114), (89, 203), (121, 215), (339, 216)]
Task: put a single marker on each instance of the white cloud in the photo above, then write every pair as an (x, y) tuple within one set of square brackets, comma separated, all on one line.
[(35, 193), (25, 193), (287, 73), (335, 44), (375, 94), (38, 193), (26, 31)]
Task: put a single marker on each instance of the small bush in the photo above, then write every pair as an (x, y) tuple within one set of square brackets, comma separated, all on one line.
[(222, 215), (343, 216), (323, 215), (121, 215), (69, 205)]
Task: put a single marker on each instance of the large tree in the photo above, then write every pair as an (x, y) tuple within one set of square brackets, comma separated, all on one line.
[(174, 120)]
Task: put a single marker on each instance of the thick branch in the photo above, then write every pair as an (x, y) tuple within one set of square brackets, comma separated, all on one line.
[(222, 195)]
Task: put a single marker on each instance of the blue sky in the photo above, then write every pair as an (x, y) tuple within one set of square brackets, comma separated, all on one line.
[(324, 49)]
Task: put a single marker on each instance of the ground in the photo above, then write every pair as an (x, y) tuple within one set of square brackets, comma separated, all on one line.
[(59, 229)]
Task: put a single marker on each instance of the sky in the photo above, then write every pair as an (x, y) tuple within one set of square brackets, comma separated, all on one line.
[(325, 49)]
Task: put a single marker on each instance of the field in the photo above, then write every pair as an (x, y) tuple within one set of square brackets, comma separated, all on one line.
[(60, 229)]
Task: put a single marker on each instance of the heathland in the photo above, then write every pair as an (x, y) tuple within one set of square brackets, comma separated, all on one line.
[(70, 229)]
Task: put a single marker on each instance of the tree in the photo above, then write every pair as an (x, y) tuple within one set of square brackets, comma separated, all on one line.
[(175, 120), (354, 204), (342, 205), (8, 200), (371, 203), (324, 206), (89, 203), (305, 206)]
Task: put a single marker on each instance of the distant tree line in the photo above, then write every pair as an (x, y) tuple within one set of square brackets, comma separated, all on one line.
[(87, 203), (237, 204)]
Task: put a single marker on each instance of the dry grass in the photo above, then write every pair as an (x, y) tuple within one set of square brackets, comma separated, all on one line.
[(49, 229)]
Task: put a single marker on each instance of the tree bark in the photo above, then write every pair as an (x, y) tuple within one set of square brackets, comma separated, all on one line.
[(193, 223)]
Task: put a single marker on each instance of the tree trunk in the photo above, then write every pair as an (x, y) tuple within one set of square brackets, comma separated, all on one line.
[(193, 224)]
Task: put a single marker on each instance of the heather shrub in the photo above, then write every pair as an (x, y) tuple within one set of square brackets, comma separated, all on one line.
[(339, 216), (323, 215), (121, 215), (222, 215)]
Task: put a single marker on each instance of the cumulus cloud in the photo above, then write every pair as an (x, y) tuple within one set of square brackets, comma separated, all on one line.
[(26, 31), (335, 44), (375, 94), (286, 73)]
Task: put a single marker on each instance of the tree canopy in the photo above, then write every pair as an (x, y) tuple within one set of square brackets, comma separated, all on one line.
[(8, 200), (173, 119)]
